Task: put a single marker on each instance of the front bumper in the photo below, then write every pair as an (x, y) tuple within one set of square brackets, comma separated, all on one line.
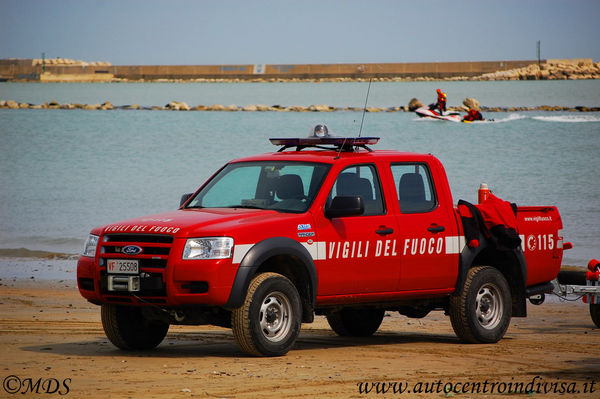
[(163, 280)]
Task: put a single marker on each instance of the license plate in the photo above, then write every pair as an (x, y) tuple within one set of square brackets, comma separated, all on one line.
[(123, 266)]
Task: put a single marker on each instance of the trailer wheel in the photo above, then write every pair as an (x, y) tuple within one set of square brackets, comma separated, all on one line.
[(481, 311), (355, 322), (128, 329), (269, 321), (595, 313)]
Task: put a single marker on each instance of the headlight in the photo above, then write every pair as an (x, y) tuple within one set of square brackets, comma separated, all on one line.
[(89, 248), (208, 248)]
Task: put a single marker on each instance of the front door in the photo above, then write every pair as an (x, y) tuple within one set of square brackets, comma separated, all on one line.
[(361, 251)]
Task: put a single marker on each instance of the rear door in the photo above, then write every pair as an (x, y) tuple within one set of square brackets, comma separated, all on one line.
[(428, 242)]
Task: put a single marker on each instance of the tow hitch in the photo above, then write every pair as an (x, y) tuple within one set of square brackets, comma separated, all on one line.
[(573, 283)]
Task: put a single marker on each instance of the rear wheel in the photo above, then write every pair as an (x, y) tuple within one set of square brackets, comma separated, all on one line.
[(595, 313), (127, 327), (356, 322), (481, 311), (268, 322)]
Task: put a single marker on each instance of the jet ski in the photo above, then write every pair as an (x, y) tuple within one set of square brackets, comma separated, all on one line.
[(433, 113)]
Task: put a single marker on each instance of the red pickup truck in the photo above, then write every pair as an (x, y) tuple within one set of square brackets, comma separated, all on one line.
[(329, 228)]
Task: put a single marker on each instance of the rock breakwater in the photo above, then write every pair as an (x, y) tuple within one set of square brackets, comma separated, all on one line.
[(553, 70), (67, 61), (182, 106)]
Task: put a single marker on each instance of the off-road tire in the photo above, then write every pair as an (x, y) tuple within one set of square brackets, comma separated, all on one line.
[(481, 311), (128, 329), (355, 322), (595, 313), (269, 321)]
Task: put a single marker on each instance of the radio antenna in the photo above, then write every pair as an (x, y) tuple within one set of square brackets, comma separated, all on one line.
[(361, 122), (365, 107)]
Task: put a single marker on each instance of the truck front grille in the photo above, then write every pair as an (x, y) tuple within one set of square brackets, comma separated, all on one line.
[(155, 249), (152, 261)]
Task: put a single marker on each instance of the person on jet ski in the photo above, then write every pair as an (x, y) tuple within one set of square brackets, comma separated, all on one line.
[(441, 101), (473, 115)]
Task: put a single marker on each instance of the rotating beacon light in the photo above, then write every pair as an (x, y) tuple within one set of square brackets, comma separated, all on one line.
[(319, 130), (483, 193)]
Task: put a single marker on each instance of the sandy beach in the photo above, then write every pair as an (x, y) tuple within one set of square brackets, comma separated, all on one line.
[(53, 345)]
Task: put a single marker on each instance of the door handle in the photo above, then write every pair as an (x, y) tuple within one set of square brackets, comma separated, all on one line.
[(384, 232), (436, 229)]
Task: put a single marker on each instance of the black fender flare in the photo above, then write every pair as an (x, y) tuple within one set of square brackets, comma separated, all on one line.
[(258, 254), (466, 262)]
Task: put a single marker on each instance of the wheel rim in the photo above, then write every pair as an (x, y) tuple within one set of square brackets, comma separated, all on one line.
[(489, 306), (275, 316)]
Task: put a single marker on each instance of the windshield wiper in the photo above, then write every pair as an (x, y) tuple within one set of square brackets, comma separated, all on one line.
[(245, 206)]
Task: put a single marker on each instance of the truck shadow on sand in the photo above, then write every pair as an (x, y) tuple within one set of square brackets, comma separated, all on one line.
[(222, 344)]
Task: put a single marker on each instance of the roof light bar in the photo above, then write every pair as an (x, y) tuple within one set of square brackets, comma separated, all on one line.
[(320, 136), (335, 141), (346, 144)]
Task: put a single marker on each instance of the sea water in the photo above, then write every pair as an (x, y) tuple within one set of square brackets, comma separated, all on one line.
[(63, 172), (349, 94)]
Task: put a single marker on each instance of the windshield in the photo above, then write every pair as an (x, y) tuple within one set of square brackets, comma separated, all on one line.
[(281, 186)]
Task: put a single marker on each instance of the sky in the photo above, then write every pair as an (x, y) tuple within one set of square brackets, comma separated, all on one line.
[(218, 32)]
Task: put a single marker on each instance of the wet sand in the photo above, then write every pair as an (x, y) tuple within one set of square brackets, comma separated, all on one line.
[(48, 333)]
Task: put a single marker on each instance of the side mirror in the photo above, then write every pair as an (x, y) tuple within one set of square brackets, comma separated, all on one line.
[(345, 206), (184, 199)]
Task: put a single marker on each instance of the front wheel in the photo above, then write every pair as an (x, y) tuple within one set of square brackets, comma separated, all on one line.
[(595, 313), (127, 327), (481, 311), (268, 322)]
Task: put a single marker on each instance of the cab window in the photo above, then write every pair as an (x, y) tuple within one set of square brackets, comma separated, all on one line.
[(414, 188), (363, 181)]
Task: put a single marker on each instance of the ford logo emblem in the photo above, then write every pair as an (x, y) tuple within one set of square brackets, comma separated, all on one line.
[(132, 250)]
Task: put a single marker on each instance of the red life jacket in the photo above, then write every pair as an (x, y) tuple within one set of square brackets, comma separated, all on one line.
[(473, 115), (495, 218), (441, 97)]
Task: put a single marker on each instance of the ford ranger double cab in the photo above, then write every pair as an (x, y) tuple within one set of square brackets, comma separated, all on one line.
[(324, 226)]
